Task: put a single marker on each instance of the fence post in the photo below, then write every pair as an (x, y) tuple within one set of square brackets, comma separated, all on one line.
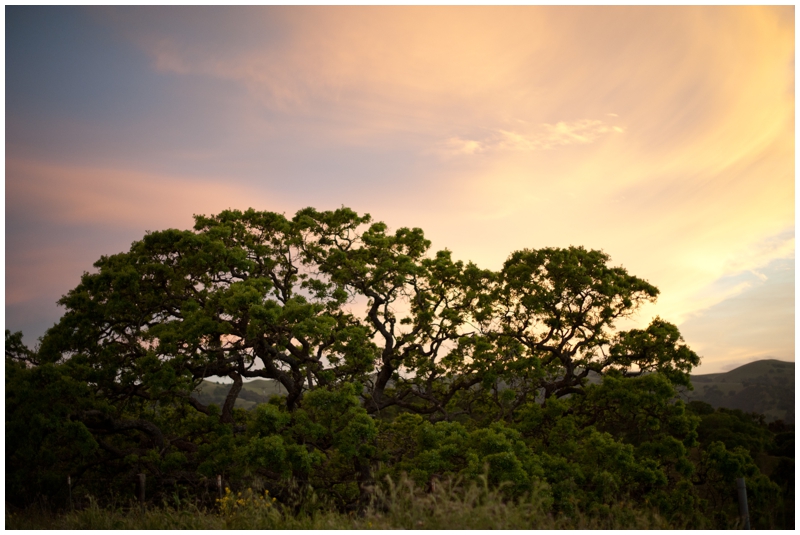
[(141, 489), (219, 486), (743, 510), (69, 489)]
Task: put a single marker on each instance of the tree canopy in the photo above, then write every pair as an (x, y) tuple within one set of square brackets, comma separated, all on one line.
[(329, 297)]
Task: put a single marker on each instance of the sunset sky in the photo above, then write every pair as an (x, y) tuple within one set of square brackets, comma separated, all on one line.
[(662, 135)]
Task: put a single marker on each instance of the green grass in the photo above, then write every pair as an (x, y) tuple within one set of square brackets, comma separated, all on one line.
[(398, 506)]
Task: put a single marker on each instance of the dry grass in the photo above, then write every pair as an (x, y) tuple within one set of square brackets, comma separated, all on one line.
[(399, 505)]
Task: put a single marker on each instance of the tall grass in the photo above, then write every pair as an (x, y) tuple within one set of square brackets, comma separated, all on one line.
[(400, 505)]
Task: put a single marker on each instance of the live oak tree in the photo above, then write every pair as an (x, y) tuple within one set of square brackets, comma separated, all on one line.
[(257, 295), (341, 312)]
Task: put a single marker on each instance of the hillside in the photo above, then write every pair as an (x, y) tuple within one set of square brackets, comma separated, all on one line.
[(253, 392), (764, 386)]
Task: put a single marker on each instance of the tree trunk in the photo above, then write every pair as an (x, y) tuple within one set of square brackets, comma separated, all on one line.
[(233, 393)]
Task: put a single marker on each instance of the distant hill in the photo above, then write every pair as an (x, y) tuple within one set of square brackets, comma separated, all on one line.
[(253, 392), (764, 386)]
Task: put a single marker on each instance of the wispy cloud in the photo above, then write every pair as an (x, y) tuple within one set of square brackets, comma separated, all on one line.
[(750, 325), (546, 137), (118, 197)]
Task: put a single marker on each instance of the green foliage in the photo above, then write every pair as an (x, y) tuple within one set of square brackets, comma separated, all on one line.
[(43, 443), (731, 443), (734, 429), (433, 452), (510, 394)]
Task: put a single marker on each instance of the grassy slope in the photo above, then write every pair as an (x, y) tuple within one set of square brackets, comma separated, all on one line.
[(764, 386), (253, 392)]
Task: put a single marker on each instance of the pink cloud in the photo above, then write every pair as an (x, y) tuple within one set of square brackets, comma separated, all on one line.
[(122, 197)]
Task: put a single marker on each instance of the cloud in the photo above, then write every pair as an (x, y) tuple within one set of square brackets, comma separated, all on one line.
[(368, 75), (456, 145), (119, 197), (39, 272), (546, 137), (61, 218), (756, 323)]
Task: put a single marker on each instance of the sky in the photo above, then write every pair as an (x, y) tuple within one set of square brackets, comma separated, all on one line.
[(663, 136)]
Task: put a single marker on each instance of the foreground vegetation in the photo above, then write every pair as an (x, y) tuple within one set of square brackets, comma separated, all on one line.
[(394, 365), (401, 506)]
